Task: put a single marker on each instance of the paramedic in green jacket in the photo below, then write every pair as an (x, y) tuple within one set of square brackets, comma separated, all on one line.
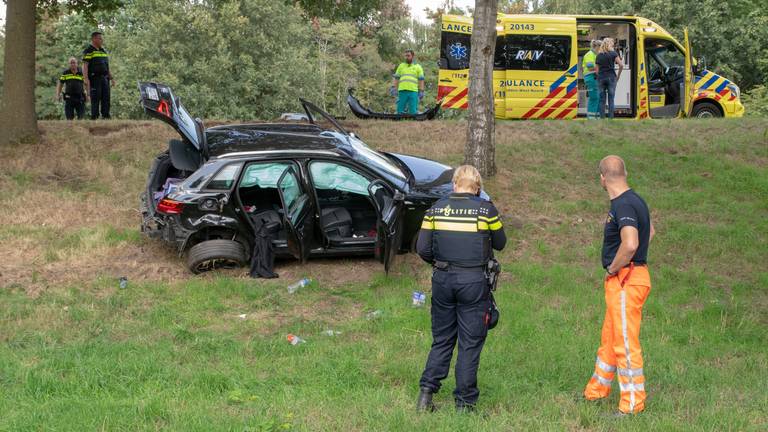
[(589, 68), (409, 84)]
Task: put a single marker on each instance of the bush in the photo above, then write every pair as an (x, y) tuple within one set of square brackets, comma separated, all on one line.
[(756, 101)]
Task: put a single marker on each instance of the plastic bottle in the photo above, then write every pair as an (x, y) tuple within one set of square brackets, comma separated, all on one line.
[(418, 298), (123, 282), (300, 284), (375, 314), (294, 340)]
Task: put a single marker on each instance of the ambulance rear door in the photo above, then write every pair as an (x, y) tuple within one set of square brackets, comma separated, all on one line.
[(541, 67), (453, 77)]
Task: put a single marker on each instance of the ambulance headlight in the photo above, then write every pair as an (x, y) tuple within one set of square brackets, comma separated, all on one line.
[(734, 89)]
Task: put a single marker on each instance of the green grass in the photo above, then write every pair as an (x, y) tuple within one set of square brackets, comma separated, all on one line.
[(176, 355)]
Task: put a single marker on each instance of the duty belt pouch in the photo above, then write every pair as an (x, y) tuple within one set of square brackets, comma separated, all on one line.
[(492, 314)]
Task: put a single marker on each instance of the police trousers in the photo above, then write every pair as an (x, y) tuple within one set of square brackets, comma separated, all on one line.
[(459, 304), (74, 106), (100, 97)]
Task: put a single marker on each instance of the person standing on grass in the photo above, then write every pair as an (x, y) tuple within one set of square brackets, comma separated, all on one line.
[(589, 68), (457, 237), (408, 85), (607, 78), (627, 234), (71, 80), (96, 69)]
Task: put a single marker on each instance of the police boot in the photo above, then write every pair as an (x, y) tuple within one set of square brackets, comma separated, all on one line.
[(463, 408), (424, 404)]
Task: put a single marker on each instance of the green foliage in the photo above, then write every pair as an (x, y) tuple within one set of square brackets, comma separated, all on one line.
[(340, 10), (255, 67), (756, 101), (86, 8)]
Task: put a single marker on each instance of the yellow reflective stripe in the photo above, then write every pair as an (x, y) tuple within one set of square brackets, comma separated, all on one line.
[(98, 54), (495, 226), (487, 219), (69, 77), (455, 218), (455, 226), (482, 225), (427, 225)]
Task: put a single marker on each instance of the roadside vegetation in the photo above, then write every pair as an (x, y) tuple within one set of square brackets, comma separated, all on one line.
[(179, 352)]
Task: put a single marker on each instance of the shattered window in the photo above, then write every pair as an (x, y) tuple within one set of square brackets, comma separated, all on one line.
[(328, 175), (224, 178)]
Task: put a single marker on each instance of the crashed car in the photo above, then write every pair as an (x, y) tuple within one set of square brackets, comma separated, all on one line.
[(329, 193)]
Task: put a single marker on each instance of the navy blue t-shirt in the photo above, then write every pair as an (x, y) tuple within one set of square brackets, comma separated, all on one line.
[(605, 64), (627, 209)]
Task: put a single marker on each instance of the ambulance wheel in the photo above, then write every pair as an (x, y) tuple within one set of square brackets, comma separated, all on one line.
[(706, 110), (215, 254)]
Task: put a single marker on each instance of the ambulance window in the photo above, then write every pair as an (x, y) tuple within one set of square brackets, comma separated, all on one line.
[(500, 56), (454, 51), (538, 52)]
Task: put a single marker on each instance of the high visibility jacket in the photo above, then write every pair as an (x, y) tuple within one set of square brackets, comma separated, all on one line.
[(98, 61), (588, 65), (73, 83), (409, 76)]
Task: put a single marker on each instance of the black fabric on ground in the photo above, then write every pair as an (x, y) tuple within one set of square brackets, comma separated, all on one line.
[(263, 256)]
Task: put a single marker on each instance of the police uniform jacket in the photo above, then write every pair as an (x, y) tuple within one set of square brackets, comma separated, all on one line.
[(461, 230)]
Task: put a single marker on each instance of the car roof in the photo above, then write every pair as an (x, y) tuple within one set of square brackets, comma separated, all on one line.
[(289, 138)]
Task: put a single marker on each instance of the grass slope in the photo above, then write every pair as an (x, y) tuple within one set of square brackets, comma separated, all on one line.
[(172, 352)]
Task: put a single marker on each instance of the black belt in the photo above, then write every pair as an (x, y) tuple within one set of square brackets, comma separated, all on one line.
[(448, 267)]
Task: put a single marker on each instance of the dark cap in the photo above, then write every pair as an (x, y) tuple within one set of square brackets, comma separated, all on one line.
[(96, 33)]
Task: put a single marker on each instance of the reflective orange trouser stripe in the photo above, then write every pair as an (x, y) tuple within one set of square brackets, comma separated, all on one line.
[(619, 349)]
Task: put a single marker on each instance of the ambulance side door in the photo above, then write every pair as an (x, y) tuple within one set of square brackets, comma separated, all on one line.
[(542, 70), (687, 97), (455, 49)]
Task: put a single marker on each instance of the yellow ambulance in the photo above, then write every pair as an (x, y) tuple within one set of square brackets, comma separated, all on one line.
[(537, 69)]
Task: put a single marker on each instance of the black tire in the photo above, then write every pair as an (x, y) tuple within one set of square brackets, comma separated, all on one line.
[(215, 254), (706, 110)]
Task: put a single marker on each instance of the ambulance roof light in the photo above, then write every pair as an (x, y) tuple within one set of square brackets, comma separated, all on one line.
[(499, 28), (649, 29)]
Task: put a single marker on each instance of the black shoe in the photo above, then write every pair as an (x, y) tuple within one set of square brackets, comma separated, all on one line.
[(463, 408), (425, 401)]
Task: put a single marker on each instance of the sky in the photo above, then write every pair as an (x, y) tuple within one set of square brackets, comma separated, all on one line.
[(417, 8)]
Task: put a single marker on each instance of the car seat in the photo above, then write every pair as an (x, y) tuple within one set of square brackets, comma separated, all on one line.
[(337, 222)]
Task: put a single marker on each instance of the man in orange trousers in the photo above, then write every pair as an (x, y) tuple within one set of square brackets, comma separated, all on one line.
[(627, 234)]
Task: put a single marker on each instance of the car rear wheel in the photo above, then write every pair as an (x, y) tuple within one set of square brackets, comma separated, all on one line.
[(215, 254), (706, 110)]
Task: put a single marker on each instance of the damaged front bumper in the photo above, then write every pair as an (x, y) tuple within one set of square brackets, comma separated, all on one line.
[(364, 113)]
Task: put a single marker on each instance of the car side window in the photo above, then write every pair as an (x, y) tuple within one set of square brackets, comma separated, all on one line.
[(289, 187), (224, 179), (333, 176), (264, 175)]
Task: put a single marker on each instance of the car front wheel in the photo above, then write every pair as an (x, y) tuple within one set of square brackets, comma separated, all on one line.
[(215, 254), (706, 110)]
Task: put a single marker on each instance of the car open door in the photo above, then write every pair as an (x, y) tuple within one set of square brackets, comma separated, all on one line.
[(296, 210), (687, 95), (158, 101), (389, 206)]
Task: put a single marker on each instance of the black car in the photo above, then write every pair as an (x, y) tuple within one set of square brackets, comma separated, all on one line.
[(329, 193)]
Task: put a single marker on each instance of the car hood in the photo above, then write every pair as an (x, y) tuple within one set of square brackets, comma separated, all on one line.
[(431, 177), (428, 176)]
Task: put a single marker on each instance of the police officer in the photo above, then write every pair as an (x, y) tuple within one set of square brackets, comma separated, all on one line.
[(408, 85), (96, 68), (457, 237), (71, 80)]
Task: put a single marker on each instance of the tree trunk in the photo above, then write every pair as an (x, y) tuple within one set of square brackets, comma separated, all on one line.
[(480, 149), (18, 120)]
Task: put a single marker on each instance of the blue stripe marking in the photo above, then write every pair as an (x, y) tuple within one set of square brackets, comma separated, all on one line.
[(698, 78), (573, 69), (642, 66), (721, 86), (709, 82), (642, 80), (556, 84), (570, 86)]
